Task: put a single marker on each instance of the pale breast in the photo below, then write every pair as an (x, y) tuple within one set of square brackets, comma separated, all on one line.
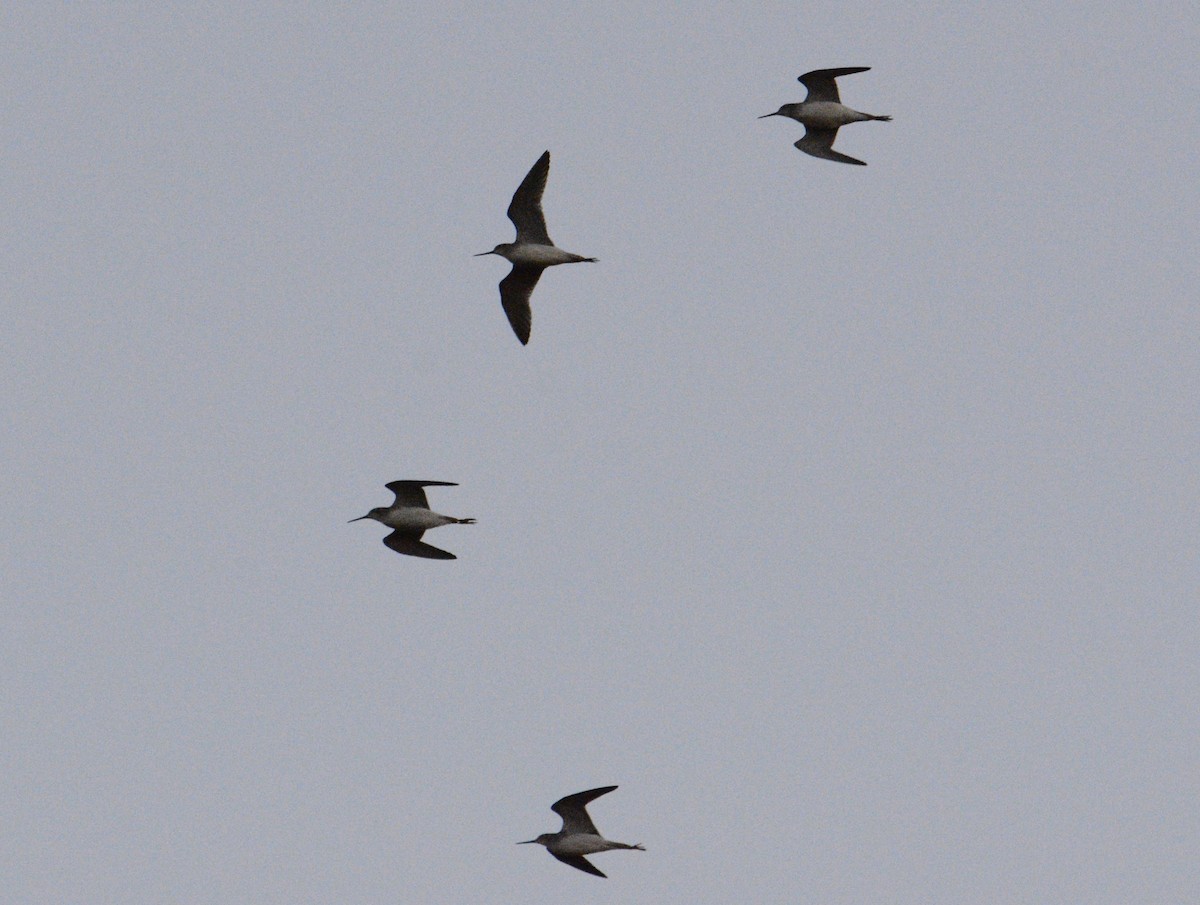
[(828, 115), (415, 519), (581, 844), (539, 255)]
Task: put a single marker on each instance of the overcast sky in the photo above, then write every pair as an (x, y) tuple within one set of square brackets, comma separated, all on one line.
[(846, 517)]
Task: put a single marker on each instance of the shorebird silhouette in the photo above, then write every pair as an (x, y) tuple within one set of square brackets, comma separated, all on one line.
[(410, 516), (578, 836), (531, 253), (822, 113)]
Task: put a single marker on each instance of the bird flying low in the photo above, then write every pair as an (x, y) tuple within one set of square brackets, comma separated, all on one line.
[(578, 836), (409, 517)]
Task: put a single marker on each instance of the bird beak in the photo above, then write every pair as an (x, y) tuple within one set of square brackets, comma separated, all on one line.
[(359, 519), (765, 115), (482, 253), (527, 842)]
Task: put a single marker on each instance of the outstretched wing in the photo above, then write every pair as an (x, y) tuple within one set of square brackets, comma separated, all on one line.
[(409, 543), (821, 85), (411, 493), (525, 209), (573, 811), (581, 863), (818, 143), (515, 290)]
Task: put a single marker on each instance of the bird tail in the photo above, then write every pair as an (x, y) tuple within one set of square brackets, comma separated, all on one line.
[(882, 119), (464, 521)]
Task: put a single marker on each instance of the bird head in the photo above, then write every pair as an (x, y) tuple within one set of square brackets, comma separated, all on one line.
[(376, 514), (498, 250), (785, 110), (544, 839)]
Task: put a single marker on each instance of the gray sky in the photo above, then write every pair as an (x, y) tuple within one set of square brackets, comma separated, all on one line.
[(845, 517)]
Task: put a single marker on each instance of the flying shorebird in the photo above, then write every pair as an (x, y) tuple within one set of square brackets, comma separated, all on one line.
[(578, 836), (410, 516), (531, 253), (823, 113)]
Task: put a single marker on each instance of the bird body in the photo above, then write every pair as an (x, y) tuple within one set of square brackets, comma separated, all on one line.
[(413, 518), (822, 113), (531, 253), (585, 844), (409, 517), (579, 836)]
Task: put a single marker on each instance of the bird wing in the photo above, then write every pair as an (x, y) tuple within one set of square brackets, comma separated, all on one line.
[(409, 543), (515, 290), (410, 493), (821, 85), (818, 143), (525, 209), (573, 811), (581, 863)]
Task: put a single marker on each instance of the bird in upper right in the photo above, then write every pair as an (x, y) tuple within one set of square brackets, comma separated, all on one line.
[(822, 113)]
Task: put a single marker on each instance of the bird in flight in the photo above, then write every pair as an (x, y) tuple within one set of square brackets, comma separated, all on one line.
[(578, 836), (409, 517), (531, 253), (822, 113)]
